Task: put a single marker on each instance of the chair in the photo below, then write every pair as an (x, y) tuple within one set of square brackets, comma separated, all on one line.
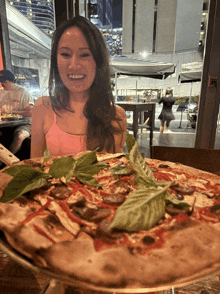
[(204, 159), (191, 122)]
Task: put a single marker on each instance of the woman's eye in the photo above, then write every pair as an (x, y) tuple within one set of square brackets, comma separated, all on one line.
[(85, 54), (65, 54)]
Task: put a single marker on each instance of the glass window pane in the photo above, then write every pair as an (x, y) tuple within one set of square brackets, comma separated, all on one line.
[(31, 24)]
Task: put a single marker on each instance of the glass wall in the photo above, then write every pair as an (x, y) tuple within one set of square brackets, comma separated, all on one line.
[(151, 31), (30, 34)]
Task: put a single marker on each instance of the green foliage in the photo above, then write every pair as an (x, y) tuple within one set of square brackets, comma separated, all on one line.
[(194, 99)]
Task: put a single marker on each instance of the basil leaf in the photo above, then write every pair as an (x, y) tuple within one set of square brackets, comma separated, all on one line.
[(91, 169), (141, 210), (86, 160), (24, 181), (14, 170), (120, 170), (130, 141), (87, 179), (46, 157), (144, 176), (61, 167)]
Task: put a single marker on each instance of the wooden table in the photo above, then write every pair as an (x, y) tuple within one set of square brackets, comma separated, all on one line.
[(14, 123), (137, 108)]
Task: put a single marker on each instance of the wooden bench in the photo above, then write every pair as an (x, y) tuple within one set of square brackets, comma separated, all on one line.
[(204, 159)]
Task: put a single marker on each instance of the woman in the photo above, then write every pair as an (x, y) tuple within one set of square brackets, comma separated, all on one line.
[(166, 114), (80, 113)]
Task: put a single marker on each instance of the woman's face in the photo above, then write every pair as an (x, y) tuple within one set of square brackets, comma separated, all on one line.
[(75, 62)]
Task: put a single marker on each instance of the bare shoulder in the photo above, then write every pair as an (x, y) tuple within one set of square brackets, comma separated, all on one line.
[(120, 113), (121, 119), (43, 101)]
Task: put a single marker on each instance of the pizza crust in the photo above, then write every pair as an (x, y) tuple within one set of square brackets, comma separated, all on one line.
[(197, 245)]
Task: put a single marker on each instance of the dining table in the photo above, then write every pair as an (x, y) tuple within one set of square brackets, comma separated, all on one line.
[(137, 108), (11, 123)]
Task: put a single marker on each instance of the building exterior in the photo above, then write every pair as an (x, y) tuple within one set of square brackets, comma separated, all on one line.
[(165, 31), (162, 26), (40, 12), (100, 13)]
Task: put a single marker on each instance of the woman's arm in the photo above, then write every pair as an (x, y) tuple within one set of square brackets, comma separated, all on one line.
[(122, 126), (38, 141)]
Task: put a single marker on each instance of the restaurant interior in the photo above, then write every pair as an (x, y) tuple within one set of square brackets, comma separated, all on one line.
[(187, 144)]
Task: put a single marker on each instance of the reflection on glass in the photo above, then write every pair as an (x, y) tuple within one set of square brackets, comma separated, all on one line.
[(31, 24)]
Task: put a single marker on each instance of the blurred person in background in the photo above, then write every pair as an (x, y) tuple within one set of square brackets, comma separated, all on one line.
[(80, 113), (16, 100), (166, 114)]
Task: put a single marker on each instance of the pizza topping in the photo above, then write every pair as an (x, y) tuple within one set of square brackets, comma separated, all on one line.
[(164, 166), (26, 178), (179, 196), (67, 219), (76, 200), (121, 187), (114, 199), (120, 169), (85, 212), (100, 214), (148, 240), (60, 192), (104, 230), (216, 210), (175, 210), (182, 189)]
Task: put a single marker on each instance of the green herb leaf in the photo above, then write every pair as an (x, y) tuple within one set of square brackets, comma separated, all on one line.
[(130, 141), (14, 170), (141, 210), (91, 169), (62, 167), (24, 181), (144, 176), (86, 160), (46, 157), (87, 179), (120, 170)]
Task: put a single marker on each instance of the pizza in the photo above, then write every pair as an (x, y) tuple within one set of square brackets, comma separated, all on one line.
[(11, 116), (113, 220)]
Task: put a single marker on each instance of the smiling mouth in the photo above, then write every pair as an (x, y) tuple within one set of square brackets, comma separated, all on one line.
[(76, 77)]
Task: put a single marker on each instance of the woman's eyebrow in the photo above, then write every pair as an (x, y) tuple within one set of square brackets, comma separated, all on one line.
[(67, 48), (64, 48)]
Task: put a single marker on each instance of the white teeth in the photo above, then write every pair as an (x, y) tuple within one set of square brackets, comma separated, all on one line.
[(74, 77)]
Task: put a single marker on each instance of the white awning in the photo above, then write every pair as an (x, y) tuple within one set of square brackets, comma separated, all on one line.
[(123, 65)]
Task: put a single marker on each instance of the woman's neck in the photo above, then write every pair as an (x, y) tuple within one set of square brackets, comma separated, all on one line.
[(79, 97)]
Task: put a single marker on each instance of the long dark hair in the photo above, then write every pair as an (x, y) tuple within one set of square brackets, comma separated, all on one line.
[(100, 108)]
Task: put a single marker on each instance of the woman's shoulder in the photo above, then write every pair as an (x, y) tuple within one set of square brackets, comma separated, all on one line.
[(43, 102), (120, 113)]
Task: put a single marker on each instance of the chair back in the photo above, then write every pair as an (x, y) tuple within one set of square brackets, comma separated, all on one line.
[(204, 159)]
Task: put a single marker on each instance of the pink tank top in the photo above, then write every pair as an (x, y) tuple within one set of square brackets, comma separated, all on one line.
[(61, 143)]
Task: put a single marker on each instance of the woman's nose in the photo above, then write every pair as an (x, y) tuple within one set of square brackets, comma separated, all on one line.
[(75, 62)]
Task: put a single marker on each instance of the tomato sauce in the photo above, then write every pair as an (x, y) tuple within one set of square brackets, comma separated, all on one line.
[(74, 218), (40, 211), (41, 232)]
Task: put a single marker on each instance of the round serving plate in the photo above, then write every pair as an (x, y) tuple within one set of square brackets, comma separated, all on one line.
[(8, 250)]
